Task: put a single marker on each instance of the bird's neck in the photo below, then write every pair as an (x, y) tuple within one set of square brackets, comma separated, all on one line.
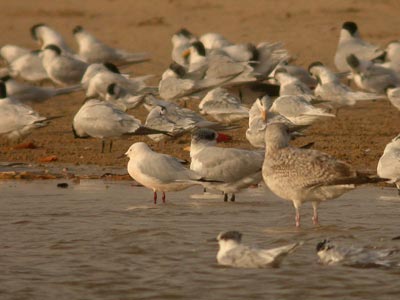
[(225, 246)]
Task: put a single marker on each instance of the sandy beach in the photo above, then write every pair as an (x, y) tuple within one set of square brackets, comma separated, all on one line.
[(357, 135)]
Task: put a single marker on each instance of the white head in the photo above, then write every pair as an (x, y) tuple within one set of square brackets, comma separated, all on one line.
[(229, 239), (263, 105), (393, 51), (393, 145), (136, 149), (321, 73), (282, 76)]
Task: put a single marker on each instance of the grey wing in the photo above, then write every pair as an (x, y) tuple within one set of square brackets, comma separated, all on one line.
[(167, 169), (228, 164), (312, 168), (246, 257), (223, 67), (72, 69), (172, 88)]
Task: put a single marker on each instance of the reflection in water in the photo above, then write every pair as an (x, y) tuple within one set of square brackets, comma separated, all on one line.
[(102, 240)]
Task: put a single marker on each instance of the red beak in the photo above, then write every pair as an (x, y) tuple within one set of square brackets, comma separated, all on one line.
[(223, 138)]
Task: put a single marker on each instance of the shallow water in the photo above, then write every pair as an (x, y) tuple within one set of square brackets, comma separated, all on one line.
[(102, 240)]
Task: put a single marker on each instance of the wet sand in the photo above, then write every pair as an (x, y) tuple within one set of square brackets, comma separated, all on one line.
[(358, 135), (106, 240)]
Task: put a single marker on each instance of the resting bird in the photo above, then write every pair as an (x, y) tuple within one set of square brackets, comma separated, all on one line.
[(92, 50), (223, 106), (350, 42), (16, 119), (234, 254), (362, 257), (104, 121)]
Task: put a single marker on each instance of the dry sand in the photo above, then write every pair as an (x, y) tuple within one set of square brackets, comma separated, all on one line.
[(309, 31)]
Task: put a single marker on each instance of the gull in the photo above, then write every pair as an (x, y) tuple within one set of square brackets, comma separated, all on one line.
[(219, 67), (332, 254), (389, 163), (45, 36), (159, 172), (176, 83), (212, 40), (370, 76), (16, 119), (292, 86), (296, 71), (30, 93), (62, 69), (27, 66), (259, 118), (263, 57), (298, 110), (302, 175), (92, 50), (102, 120), (329, 88), (393, 94), (98, 78), (234, 254), (181, 41), (350, 42), (393, 56), (223, 106), (175, 119), (236, 168)]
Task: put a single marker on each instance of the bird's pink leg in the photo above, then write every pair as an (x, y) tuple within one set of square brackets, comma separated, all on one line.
[(315, 214), (297, 219), (163, 197), (155, 197)]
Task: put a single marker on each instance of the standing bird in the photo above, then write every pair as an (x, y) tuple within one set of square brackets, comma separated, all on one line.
[(350, 42), (370, 76), (62, 69), (223, 106), (236, 168), (389, 163), (302, 175), (16, 119), (104, 121), (31, 93), (159, 172), (234, 254), (92, 50)]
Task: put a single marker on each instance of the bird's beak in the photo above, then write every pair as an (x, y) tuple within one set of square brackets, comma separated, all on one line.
[(122, 155), (264, 115), (223, 138), (187, 148), (213, 240), (186, 53)]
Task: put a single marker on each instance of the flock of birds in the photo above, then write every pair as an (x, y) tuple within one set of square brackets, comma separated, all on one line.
[(218, 72)]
